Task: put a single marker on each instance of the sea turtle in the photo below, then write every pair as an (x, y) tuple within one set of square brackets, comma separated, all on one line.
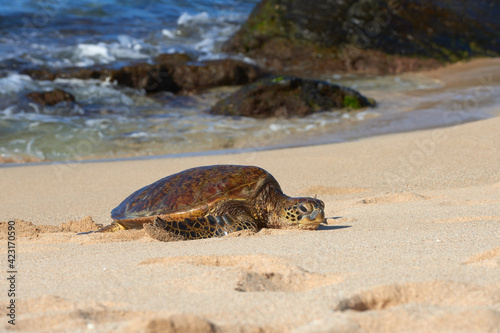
[(212, 201)]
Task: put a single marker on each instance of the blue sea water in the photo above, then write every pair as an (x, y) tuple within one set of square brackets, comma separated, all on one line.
[(63, 33), (109, 121)]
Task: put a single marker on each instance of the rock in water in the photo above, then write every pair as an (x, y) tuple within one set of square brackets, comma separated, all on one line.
[(285, 96), (51, 97), (173, 73), (368, 35)]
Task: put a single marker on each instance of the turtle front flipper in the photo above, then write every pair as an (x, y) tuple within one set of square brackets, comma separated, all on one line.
[(207, 226)]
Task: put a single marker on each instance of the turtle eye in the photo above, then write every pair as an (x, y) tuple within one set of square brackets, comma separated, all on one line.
[(303, 208)]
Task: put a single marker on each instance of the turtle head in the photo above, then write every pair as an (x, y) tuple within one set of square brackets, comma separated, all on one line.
[(306, 213)]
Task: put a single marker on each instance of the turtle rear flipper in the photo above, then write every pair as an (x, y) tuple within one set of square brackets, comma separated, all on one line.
[(114, 226), (208, 226)]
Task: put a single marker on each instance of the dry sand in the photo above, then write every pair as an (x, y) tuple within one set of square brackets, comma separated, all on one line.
[(412, 243)]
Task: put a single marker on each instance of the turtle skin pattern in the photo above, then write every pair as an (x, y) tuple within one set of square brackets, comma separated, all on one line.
[(202, 202)]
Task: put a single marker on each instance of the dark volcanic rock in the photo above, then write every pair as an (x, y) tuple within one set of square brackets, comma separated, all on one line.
[(379, 36), (213, 73), (285, 96), (185, 77), (51, 97), (84, 73), (171, 72), (152, 78)]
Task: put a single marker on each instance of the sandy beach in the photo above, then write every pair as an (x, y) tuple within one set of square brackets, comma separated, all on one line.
[(411, 242)]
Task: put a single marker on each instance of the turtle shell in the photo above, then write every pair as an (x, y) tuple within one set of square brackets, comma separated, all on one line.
[(191, 193)]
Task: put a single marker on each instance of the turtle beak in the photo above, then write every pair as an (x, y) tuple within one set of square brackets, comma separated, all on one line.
[(313, 215), (312, 220)]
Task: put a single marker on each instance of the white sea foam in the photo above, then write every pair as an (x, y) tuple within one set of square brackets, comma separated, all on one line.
[(187, 19), (128, 48), (101, 124), (168, 33), (125, 53), (95, 91), (8, 111), (276, 127), (94, 51), (15, 83), (201, 33), (91, 54), (103, 53), (130, 42), (138, 135)]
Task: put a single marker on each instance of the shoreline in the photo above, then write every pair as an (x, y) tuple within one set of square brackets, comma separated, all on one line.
[(483, 75), (314, 142)]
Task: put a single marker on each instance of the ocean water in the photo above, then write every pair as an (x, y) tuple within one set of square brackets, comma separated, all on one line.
[(115, 122)]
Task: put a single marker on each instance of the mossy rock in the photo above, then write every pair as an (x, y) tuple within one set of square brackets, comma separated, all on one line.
[(287, 96)]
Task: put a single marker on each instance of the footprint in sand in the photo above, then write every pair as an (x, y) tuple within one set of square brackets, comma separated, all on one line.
[(440, 293), (173, 323), (394, 197), (433, 306), (258, 272), (281, 277), (490, 258), (51, 313)]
